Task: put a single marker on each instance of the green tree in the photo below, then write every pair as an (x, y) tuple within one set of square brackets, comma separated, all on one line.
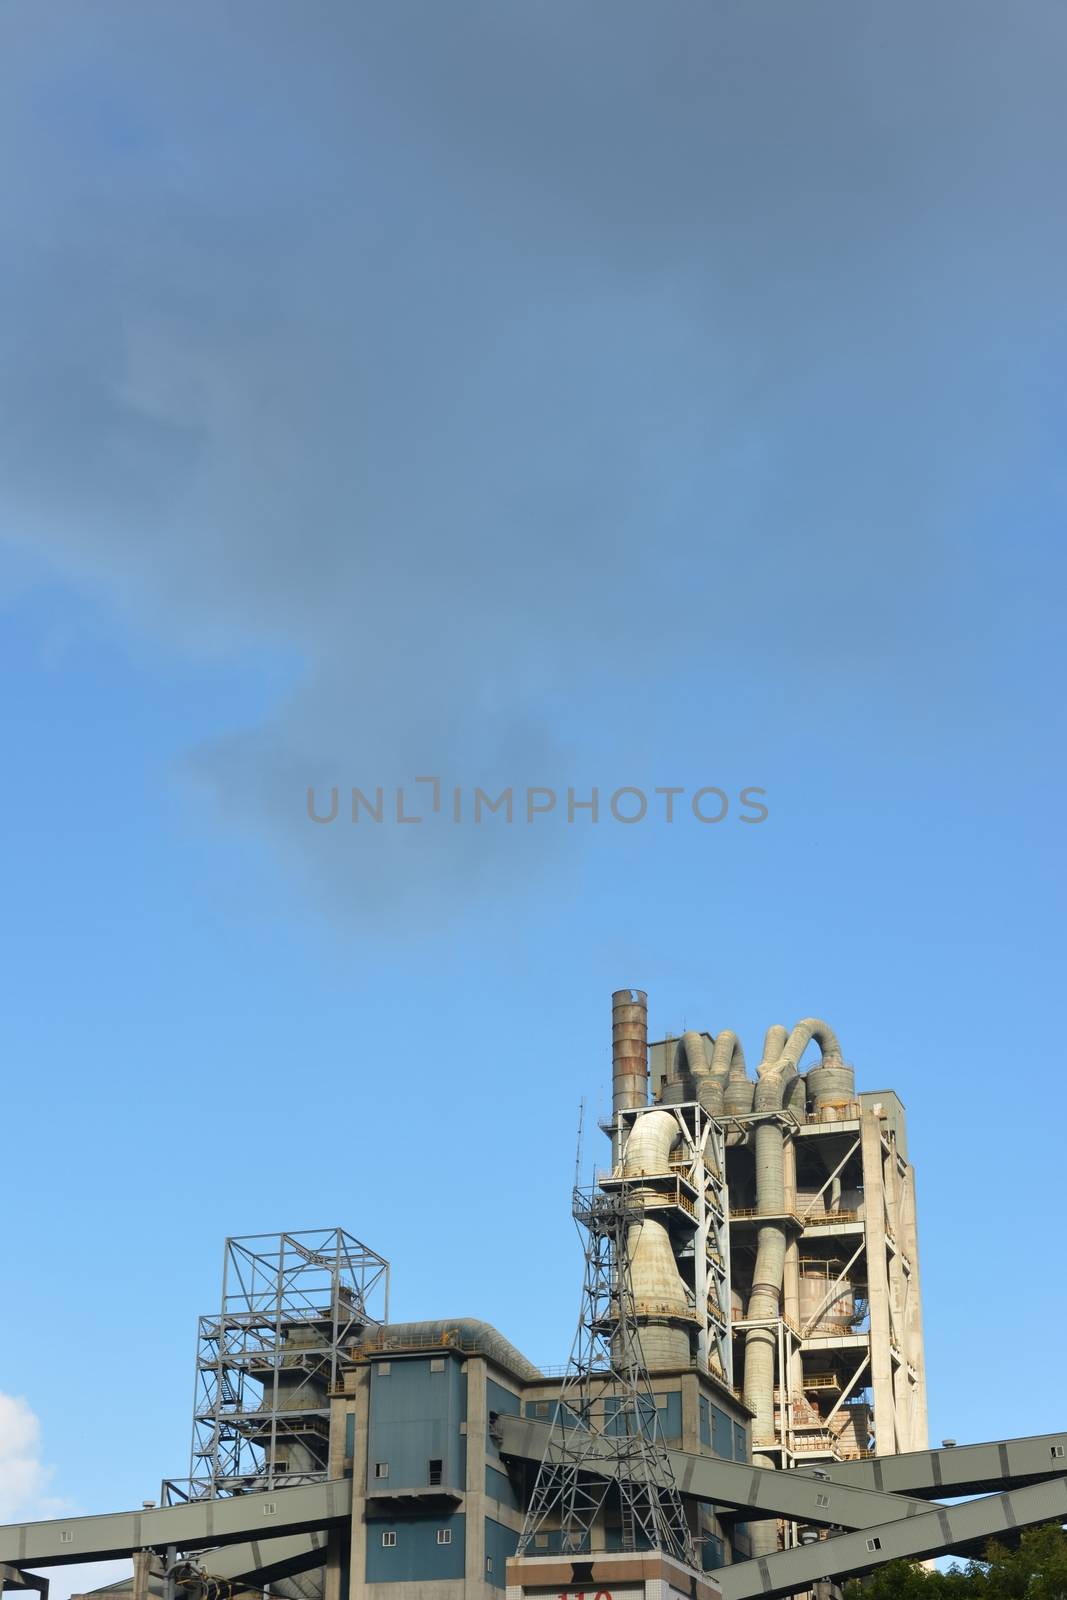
[(1035, 1570)]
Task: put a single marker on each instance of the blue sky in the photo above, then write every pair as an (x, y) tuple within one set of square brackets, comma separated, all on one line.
[(595, 396)]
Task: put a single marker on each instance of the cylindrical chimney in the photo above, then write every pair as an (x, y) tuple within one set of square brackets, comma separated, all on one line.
[(629, 1050)]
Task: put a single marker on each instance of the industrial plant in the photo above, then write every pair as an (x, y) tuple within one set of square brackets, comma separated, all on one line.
[(743, 1413)]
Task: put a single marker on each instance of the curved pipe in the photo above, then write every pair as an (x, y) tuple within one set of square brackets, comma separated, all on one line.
[(687, 1070), (774, 1042), (708, 1077), (693, 1046), (727, 1066), (648, 1149), (786, 1060)]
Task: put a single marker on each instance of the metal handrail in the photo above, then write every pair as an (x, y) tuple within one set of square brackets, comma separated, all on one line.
[(830, 1216)]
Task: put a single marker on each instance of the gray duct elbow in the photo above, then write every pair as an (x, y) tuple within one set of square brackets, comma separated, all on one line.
[(648, 1149), (831, 1081), (774, 1042), (697, 1077), (689, 1067), (727, 1065)]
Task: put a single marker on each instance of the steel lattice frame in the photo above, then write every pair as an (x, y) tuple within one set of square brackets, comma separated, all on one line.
[(266, 1362), (606, 1411)]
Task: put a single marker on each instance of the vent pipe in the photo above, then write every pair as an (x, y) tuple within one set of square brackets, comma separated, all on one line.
[(629, 1050)]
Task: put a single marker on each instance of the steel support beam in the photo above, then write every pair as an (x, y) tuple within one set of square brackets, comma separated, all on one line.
[(759, 1491), (11, 1578), (263, 1561), (959, 1469), (933, 1532), (193, 1525)]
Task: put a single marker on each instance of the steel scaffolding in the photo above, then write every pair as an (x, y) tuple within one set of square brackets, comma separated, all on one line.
[(292, 1304)]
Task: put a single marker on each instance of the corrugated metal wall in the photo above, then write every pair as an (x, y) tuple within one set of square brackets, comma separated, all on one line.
[(415, 1413), (417, 1554)]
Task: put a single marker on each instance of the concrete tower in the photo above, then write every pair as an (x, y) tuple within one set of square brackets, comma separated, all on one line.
[(826, 1316)]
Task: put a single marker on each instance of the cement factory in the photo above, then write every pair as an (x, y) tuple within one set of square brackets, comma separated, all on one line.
[(743, 1413)]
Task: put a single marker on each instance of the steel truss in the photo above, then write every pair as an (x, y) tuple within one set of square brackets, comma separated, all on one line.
[(606, 1452), (291, 1305)]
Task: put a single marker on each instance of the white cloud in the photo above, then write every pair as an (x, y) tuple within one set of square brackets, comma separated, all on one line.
[(25, 1485), (24, 1477)]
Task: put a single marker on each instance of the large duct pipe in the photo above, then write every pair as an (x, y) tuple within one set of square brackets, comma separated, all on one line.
[(688, 1069), (629, 1050), (830, 1084), (740, 1093), (776, 1072), (774, 1042), (727, 1064), (661, 1304), (696, 1076), (737, 1100)]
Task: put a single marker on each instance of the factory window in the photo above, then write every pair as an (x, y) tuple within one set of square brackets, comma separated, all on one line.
[(435, 1471), (541, 1541), (444, 1535), (389, 1538), (66, 1537), (488, 1563), (437, 1364), (874, 1544), (381, 1469), (542, 1408), (1056, 1450), (384, 1368)]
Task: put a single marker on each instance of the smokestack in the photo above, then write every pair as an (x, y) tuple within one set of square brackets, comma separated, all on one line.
[(629, 1049)]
